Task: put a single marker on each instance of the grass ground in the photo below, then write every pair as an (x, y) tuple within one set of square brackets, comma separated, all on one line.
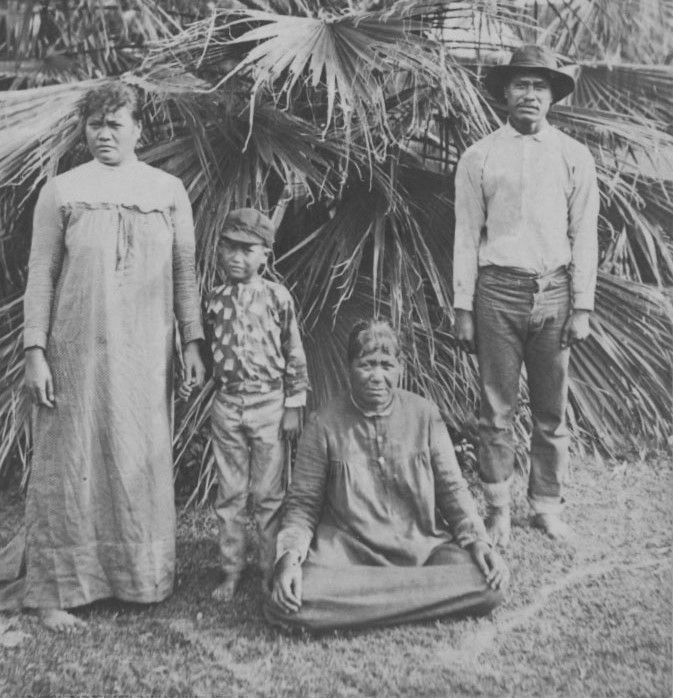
[(583, 620)]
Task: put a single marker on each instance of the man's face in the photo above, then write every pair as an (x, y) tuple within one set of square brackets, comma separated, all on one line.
[(528, 96), (374, 376)]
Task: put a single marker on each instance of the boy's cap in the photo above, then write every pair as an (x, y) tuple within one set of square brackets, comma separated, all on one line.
[(248, 225)]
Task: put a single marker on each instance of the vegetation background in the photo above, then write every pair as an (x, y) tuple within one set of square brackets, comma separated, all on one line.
[(345, 119)]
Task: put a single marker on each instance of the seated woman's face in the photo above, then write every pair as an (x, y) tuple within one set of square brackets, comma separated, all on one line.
[(374, 376), (112, 136)]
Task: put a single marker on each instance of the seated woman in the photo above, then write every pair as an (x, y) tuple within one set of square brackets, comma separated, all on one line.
[(361, 543)]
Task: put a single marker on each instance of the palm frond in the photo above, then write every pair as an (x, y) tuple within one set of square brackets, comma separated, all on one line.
[(41, 126), (644, 92), (622, 378), (366, 113), (633, 30), (70, 40), (348, 65), (14, 407)]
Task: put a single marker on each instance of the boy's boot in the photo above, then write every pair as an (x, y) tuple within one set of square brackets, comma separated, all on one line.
[(225, 591), (498, 520)]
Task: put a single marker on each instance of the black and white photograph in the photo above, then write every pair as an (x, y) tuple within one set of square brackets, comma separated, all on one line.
[(336, 348)]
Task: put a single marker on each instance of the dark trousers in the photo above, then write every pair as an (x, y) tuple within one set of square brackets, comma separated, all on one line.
[(519, 321)]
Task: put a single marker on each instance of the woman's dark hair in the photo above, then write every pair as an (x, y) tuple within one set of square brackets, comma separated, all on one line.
[(370, 335), (108, 98)]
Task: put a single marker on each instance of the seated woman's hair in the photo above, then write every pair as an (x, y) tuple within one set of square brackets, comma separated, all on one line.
[(110, 97), (372, 335)]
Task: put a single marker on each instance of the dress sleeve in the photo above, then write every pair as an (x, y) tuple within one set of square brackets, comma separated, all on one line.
[(306, 497), (453, 497), (185, 291), (44, 266)]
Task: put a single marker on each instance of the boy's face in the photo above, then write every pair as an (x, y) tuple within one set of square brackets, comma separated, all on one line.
[(241, 261)]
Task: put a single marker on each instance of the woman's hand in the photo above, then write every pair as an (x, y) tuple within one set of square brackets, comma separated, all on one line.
[(287, 580), (290, 425), (38, 381), (491, 564), (195, 371)]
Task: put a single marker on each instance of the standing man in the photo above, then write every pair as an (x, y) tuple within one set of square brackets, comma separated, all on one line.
[(524, 278)]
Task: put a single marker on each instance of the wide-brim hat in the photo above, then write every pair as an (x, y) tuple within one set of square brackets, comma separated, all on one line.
[(530, 58), (250, 226)]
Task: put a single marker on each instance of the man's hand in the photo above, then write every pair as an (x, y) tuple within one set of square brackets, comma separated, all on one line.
[(491, 564), (465, 331), (38, 381), (290, 425), (195, 371), (576, 328), (287, 581)]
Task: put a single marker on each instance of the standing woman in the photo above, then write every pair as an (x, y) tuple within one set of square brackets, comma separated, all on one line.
[(112, 262)]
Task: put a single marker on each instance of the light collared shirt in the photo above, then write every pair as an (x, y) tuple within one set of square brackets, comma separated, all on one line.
[(528, 202), (255, 340)]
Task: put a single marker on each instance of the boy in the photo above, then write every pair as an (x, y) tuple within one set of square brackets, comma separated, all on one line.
[(259, 368)]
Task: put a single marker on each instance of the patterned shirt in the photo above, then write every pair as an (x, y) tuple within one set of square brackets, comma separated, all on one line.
[(529, 202), (255, 340)]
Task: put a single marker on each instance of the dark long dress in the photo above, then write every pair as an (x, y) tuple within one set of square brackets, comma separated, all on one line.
[(362, 512)]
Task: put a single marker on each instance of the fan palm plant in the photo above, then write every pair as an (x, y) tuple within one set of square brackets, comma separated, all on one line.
[(360, 111)]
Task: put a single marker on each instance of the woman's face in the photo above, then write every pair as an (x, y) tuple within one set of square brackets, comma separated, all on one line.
[(374, 376), (112, 136)]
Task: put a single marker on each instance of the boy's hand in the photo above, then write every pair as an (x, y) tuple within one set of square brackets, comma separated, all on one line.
[(290, 425), (185, 390)]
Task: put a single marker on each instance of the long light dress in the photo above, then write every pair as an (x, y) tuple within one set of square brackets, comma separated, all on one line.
[(112, 263)]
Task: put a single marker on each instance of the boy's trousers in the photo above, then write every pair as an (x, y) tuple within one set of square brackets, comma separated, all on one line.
[(249, 454)]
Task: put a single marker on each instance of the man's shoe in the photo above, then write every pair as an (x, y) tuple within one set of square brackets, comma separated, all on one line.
[(553, 526)]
